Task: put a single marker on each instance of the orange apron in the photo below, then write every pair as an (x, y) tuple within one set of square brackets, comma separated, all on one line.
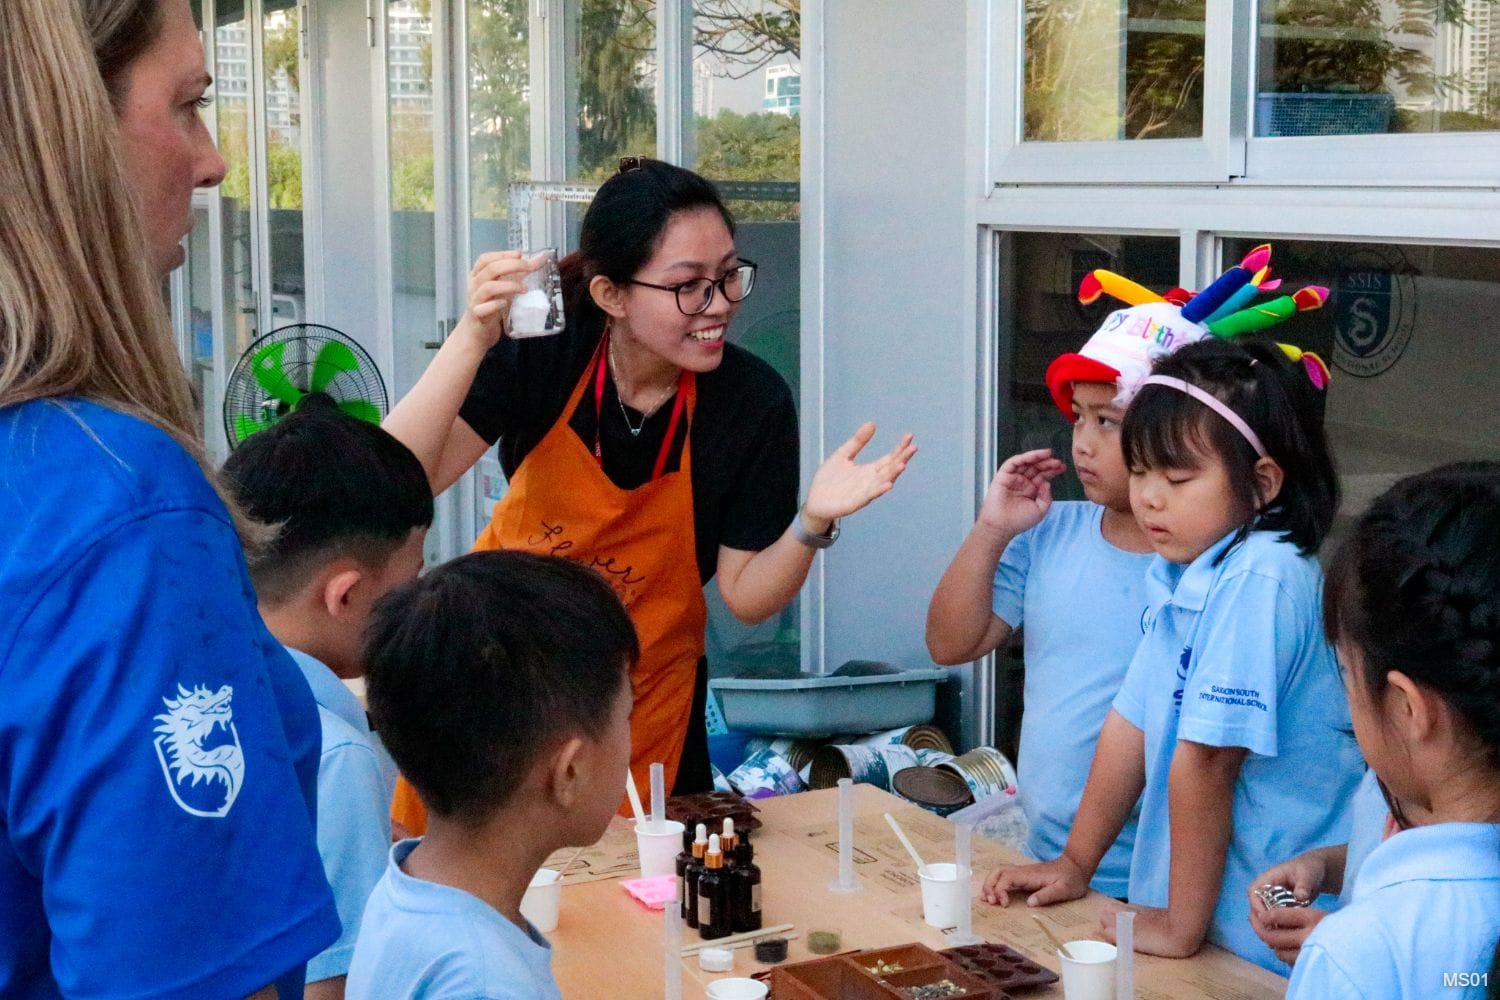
[(642, 541)]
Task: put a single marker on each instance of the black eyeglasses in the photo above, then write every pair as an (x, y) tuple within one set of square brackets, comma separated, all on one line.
[(694, 297)]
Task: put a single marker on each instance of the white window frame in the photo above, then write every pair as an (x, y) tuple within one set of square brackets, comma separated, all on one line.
[(1217, 155), (1427, 159)]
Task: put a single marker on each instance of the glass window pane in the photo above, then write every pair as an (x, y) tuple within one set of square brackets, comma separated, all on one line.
[(1106, 69), (284, 161), (1041, 317), (1404, 331), (232, 102), (613, 79), (413, 253), (746, 99), (499, 115), (1346, 67)]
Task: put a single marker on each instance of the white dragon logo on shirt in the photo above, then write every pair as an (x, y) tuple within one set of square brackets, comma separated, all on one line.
[(190, 719)]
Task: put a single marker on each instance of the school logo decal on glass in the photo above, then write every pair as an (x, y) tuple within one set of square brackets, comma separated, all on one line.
[(1374, 307), (199, 750)]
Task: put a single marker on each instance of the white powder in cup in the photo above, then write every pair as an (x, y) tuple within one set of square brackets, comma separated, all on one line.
[(528, 313)]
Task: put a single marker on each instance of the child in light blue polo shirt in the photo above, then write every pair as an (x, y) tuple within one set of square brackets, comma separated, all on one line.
[(352, 506), (1413, 605), (500, 683), (1231, 722), (1029, 561), (1312, 875)]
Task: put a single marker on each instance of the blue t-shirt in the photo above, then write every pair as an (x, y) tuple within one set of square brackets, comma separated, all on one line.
[(1081, 600), (1368, 814), (1426, 911), (154, 840), (1234, 656), (354, 809), (426, 941)]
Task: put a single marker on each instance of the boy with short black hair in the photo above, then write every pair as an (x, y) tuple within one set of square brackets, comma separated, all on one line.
[(353, 506), (500, 683)]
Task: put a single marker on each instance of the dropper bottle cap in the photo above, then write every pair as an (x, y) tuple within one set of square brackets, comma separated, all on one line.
[(714, 858), (728, 840), (700, 841)]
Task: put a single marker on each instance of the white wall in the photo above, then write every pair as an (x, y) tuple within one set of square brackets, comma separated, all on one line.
[(886, 211)]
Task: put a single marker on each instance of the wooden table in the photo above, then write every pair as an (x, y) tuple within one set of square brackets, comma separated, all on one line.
[(608, 946)]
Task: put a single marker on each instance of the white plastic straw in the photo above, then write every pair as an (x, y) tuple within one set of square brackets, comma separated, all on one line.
[(1125, 955), (672, 953), (906, 843), (964, 933), (635, 798), (658, 797), (846, 882)]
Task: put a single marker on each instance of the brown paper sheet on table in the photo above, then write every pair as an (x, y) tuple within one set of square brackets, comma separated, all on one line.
[(798, 854), (880, 859), (883, 864), (614, 856)]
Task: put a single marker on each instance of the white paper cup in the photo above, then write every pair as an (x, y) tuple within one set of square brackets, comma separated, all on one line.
[(736, 989), (543, 900), (659, 849), (943, 895), (1090, 975)]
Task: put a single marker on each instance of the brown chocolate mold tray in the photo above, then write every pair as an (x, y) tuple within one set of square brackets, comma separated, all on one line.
[(713, 807), (849, 977), (1001, 965)]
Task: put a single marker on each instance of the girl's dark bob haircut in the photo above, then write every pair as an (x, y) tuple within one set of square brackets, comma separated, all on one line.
[(1168, 429)]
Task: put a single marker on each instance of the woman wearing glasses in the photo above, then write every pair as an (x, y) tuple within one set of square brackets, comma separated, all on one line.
[(640, 442)]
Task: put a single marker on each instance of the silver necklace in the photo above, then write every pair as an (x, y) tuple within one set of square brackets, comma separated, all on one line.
[(635, 431)]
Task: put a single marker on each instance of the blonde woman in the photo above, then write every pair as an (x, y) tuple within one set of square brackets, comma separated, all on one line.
[(154, 839)]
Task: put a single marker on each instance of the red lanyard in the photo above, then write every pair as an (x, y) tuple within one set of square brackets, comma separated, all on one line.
[(677, 409)]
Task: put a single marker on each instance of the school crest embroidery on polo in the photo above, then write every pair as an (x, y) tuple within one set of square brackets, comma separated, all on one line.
[(199, 750)]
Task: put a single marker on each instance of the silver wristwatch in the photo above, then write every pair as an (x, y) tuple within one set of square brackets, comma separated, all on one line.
[(812, 541)]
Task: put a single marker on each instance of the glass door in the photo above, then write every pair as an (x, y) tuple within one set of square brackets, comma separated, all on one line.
[(416, 324), (241, 226), (245, 273), (281, 97)]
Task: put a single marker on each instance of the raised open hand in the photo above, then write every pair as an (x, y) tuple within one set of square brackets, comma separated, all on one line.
[(842, 486), (1021, 492)]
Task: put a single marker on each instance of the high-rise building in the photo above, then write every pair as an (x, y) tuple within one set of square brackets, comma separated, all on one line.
[(783, 91)]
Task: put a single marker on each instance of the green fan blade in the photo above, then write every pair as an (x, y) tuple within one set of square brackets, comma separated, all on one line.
[(334, 359), (245, 426), (266, 367), (361, 409)]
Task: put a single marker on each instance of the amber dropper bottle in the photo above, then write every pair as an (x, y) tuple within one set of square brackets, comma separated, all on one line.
[(714, 917), (689, 873)]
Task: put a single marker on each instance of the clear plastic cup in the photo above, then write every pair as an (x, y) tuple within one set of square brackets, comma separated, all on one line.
[(1089, 974), (538, 312), (659, 847), (542, 902)]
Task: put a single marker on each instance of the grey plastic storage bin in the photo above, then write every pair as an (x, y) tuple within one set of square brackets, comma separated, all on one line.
[(829, 704)]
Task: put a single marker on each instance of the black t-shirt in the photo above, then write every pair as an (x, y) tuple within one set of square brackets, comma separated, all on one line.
[(744, 434)]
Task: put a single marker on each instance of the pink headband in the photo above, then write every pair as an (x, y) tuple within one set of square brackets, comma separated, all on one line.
[(1213, 403)]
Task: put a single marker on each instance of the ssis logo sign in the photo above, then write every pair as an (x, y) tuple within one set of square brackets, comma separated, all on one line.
[(1374, 306)]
